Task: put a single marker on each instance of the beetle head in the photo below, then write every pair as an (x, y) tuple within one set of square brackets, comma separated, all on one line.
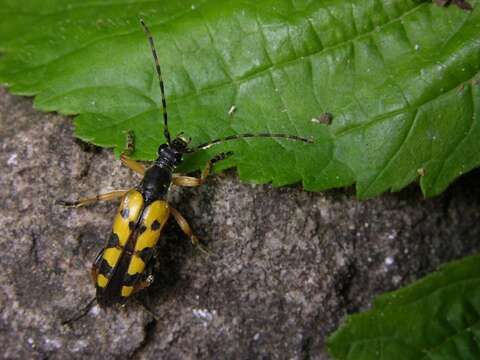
[(175, 149)]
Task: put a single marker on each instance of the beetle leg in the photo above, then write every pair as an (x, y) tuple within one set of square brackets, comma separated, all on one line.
[(187, 230), (132, 164), (147, 279), (143, 284), (184, 225), (130, 144), (95, 266), (190, 181), (129, 150), (87, 201), (83, 312)]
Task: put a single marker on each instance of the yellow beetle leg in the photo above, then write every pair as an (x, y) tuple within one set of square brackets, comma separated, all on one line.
[(133, 165), (184, 225), (189, 181), (87, 201), (187, 230)]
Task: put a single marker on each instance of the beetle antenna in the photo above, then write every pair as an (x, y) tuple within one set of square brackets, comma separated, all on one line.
[(83, 312), (166, 133), (244, 136)]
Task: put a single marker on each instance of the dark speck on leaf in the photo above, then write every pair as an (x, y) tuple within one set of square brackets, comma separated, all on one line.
[(326, 118), (462, 4)]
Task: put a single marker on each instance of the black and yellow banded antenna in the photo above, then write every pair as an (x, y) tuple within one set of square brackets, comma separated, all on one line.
[(206, 145), (244, 136), (166, 133)]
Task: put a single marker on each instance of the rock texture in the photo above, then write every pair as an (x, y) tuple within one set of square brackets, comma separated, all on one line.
[(288, 265)]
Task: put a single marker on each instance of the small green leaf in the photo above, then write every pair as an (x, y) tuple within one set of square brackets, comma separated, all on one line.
[(438, 317), (400, 78)]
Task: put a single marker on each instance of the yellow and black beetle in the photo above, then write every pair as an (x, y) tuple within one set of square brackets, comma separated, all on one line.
[(124, 266)]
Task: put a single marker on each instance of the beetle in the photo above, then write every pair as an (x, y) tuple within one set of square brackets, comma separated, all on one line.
[(124, 266)]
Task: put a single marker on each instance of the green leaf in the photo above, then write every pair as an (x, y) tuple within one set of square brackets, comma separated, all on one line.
[(437, 317), (400, 77)]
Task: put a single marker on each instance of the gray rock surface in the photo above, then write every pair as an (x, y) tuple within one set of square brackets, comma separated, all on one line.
[(289, 265)]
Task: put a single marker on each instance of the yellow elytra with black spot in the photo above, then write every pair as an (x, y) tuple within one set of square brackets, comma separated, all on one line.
[(121, 267)]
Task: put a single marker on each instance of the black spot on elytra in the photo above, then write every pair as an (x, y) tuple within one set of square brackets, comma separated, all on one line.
[(130, 280), (131, 225), (142, 229), (125, 213), (114, 241), (105, 269), (155, 225), (145, 254)]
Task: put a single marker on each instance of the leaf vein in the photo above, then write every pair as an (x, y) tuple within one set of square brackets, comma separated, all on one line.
[(460, 141), (397, 152)]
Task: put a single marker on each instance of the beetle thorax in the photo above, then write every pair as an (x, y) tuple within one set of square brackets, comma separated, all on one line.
[(156, 182), (168, 157)]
